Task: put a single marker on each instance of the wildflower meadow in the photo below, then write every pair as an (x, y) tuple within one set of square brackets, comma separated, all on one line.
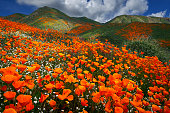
[(45, 71)]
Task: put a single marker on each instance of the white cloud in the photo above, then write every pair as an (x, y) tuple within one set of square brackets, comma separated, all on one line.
[(99, 10), (159, 14)]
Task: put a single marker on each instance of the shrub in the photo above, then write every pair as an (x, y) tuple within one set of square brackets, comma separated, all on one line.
[(148, 47)]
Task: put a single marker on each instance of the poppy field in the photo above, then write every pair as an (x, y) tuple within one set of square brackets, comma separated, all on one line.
[(48, 71)]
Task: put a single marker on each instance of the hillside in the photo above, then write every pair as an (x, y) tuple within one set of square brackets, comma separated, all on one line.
[(117, 33), (137, 18), (15, 17), (46, 17)]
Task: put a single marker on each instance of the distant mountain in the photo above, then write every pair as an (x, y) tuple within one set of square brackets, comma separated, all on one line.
[(15, 17), (137, 18), (46, 17)]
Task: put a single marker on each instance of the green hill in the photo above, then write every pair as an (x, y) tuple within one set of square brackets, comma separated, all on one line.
[(116, 30), (15, 17), (116, 33), (46, 17), (137, 18)]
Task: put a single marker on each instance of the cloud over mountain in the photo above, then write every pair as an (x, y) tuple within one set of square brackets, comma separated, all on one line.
[(99, 10), (159, 14)]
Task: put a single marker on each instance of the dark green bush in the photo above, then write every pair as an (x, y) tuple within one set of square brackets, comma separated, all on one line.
[(150, 47)]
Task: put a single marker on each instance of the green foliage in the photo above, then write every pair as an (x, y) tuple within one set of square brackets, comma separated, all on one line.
[(150, 47), (137, 18)]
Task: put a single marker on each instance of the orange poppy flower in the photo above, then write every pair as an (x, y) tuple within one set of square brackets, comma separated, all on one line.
[(9, 110), (139, 96), (92, 69), (8, 78), (65, 94), (24, 99), (167, 103), (118, 110), (30, 84), (136, 103), (49, 86), (84, 111), (80, 76), (165, 92), (155, 107), (36, 65), (141, 110), (150, 93), (82, 88), (77, 91), (58, 70), (29, 106), (91, 85), (16, 61), (62, 97), (51, 59), (86, 72), (130, 87), (107, 107), (125, 100), (71, 79), (101, 78), (166, 109), (61, 54), (79, 70), (18, 84), (31, 69), (125, 82), (115, 97), (58, 85), (84, 102), (43, 97), (22, 67), (54, 75), (52, 103), (28, 77), (3, 53), (145, 103), (70, 97), (3, 88), (9, 95)]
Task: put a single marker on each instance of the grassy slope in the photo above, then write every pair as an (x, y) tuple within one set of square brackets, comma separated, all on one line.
[(47, 17), (55, 19), (160, 28), (15, 17), (137, 18), (108, 31)]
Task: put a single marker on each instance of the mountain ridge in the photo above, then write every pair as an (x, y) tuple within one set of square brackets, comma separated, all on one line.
[(139, 18), (119, 19), (46, 17), (15, 17)]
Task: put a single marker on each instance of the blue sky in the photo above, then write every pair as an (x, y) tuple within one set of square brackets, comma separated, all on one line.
[(99, 10)]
